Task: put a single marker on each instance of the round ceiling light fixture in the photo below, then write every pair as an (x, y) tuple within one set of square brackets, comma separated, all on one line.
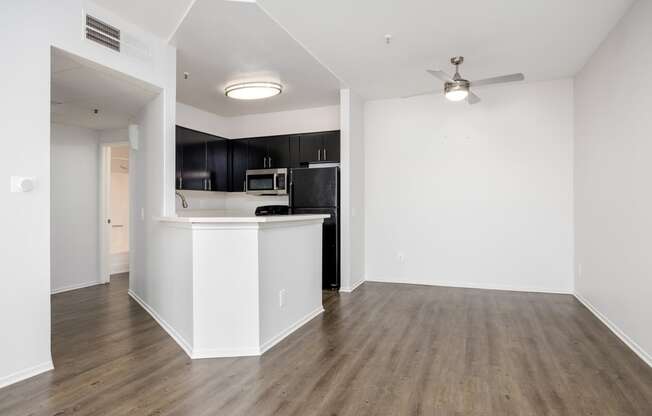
[(253, 90), (457, 90)]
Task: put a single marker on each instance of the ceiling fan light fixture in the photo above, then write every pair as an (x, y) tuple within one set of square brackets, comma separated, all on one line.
[(456, 91), (253, 90)]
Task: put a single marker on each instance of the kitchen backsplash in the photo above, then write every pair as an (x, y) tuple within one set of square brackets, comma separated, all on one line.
[(229, 201)]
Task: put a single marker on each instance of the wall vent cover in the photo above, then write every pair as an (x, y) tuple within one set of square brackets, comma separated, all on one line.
[(102, 33)]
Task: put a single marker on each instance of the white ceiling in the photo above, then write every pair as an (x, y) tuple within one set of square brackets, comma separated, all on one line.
[(545, 39), (159, 17), (79, 86), (222, 42)]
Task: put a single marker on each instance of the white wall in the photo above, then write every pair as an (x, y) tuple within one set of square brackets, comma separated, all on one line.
[(196, 119), (25, 107), (286, 122), (613, 167), (352, 191), (74, 237), (477, 196)]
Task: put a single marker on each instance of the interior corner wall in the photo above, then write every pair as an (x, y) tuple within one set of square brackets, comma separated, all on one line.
[(472, 196), (613, 167), (75, 166), (25, 106), (197, 119), (352, 191)]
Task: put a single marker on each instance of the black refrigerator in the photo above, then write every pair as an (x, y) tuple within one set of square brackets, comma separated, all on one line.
[(317, 191)]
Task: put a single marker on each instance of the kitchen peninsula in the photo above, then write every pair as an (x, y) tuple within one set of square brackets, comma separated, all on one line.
[(243, 282)]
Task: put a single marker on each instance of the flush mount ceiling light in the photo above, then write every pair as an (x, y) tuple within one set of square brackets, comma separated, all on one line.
[(253, 90)]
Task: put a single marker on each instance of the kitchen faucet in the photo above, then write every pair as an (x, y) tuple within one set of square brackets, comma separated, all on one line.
[(184, 203)]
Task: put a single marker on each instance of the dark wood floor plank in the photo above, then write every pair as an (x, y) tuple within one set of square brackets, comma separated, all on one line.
[(386, 349)]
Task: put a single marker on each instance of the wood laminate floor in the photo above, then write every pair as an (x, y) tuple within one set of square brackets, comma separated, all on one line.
[(385, 349)]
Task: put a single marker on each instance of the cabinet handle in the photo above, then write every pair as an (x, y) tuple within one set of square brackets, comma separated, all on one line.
[(181, 182), (325, 158), (318, 154), (269, 164), (210, 184), (265, 162)]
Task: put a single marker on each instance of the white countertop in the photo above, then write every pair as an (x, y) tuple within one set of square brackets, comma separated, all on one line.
[(220, 216)]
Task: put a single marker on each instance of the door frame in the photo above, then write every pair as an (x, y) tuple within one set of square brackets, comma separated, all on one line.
[(105, 207)]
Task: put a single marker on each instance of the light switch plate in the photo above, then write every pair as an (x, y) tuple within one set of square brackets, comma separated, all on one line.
[(22, 183)]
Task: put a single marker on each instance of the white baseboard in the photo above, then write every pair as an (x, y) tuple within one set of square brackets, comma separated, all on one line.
[(26, 373), (247, 352), (638, 350), (167, 327), (75, 287), (532, 289), (354, 286), (290, 329), (199, 353)]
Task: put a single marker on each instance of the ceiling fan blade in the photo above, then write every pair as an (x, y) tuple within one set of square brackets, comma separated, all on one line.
[(498, 80), (439, 74), (472, 98), (423, 93)]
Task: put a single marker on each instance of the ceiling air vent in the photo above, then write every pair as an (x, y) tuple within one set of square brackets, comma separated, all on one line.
[(102, 33)]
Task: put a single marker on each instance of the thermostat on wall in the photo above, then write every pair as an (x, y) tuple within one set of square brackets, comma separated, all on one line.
[(22, 183)]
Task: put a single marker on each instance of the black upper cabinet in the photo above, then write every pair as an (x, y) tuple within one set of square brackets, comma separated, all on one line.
[(237, 165), (310, 146), (278, 152), (202, 161), (269, 152), (319, 147), (331, 149), (257, 153), (217, 155), (210, 163), (195, 172)]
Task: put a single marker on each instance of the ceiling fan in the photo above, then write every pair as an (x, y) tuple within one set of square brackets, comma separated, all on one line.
[(457, 88)]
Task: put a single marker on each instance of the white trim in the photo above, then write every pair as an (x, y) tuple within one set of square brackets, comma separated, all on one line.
[(290, 329), (353, 287), (104, 186), (26, 373), (638, 350), (75, 287), (199, 354), (532, 289), (167, 327)]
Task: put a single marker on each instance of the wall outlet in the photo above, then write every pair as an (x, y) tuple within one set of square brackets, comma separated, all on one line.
[(281, 298)]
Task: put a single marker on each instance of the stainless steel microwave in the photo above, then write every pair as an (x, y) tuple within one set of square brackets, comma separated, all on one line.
[(267, 182)]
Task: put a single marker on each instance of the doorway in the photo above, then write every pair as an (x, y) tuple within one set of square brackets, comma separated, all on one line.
[(114, 209), (92, 109)]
